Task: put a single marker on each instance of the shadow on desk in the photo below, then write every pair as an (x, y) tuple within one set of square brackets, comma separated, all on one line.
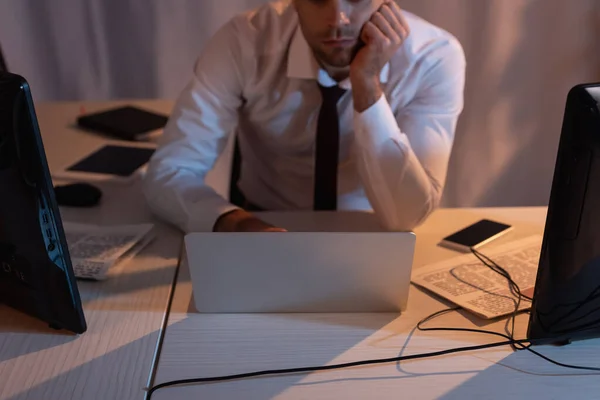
[(518, 376), (523, 375), (492, 374), (104, 376), (110, 294), (138, 284), (373, 321), (236, 343), (249, 344), (14, 322)]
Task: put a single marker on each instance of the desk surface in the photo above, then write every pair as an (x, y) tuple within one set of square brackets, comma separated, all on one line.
[(125, 314), (197, 345), (114, 358)]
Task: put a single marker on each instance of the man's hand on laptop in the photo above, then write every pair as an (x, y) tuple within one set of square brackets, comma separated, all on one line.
[(243, 221)]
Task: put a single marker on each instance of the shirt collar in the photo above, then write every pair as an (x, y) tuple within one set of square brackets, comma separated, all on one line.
[(303, 65)]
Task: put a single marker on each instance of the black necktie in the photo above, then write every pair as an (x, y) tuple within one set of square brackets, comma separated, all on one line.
[(327, 148)]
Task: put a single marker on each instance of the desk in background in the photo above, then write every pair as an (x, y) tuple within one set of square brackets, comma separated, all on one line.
[(203, 345), (125, 314)]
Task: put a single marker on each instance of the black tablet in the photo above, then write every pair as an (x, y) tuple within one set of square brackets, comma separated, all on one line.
[(117, 162)]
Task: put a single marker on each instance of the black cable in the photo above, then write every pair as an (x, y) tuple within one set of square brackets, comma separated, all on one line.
[(562, 364), (523, 344), (334, 366), (577, 328), (517, 305), (564, 318), (587, 314), (514, 288), (470, 330), (488, 262), (515, 345), (592, 296), (528, 347)]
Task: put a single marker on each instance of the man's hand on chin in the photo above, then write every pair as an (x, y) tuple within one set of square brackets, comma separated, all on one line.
[(243, 221), (382, 35)]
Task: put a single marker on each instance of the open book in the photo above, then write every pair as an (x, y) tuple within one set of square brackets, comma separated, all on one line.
[(95, 249), (469, 283)]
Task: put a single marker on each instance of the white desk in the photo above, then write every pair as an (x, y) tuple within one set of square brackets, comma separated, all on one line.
[(198, 345), (114, 358)]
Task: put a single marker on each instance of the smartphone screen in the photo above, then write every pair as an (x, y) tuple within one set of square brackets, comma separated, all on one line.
[(477, 233)]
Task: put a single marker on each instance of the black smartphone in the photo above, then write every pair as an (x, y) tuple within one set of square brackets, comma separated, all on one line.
[(475, 235)]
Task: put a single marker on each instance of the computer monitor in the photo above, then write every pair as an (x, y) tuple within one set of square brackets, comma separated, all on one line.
[(36, 275), (566, 302)]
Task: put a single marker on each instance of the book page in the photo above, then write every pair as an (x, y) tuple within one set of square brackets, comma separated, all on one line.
[(94, 249), (469, 283)]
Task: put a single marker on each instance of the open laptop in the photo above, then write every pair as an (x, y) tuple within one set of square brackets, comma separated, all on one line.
[(326, 262), (36, 275)]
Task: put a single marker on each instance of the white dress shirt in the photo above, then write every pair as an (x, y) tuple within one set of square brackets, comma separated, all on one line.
[(257, 77)]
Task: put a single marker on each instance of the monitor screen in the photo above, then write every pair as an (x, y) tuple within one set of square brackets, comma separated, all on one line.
[(36, 275), (566, 302)]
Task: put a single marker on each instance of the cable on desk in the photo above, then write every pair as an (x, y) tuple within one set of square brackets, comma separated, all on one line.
[(515, 343), (488, 262), (592, 296), (515, 290), (329, 367), (523, 344), (510, 340), (595, 294)]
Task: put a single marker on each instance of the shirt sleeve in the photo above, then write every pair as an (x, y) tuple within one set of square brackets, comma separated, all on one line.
[(203, 118), (403, 159)]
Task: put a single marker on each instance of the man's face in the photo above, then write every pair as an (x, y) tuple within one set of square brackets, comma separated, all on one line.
[(332, 27)]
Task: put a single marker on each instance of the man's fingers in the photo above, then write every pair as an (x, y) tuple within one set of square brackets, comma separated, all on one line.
[(386, 26), (397, 11), (371, 34), (392, 19), (274, 229)]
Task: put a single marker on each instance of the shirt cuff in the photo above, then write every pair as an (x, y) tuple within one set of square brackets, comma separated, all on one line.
[(204, 219), (376, 125)]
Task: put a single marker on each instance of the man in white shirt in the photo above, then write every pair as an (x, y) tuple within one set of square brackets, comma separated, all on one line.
[(374, 88)]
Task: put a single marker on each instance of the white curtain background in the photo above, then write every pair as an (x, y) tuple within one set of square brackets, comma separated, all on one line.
[(523, 56)]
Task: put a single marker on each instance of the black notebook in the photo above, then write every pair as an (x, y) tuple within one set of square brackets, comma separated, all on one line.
[(126, 123)]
